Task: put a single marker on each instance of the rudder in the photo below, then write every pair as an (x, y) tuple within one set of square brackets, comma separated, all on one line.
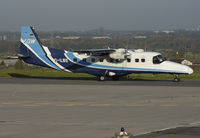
[(31, 47), (30, 40)]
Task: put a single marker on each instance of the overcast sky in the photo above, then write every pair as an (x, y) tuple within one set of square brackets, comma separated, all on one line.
[(80, 15)]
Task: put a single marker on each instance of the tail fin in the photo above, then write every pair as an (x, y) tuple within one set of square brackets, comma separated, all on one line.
[(30, 40), (31, 47)]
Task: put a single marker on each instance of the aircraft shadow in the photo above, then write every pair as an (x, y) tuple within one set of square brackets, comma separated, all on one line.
[(17, 75)]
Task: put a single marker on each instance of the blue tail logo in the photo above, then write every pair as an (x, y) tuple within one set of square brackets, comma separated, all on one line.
[(38, 54), (30, 41)]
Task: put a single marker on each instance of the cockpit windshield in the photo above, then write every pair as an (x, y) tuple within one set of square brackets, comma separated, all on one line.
[(159, 59)]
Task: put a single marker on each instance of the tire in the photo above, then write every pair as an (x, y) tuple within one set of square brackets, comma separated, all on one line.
[(101, 78), (176, 79)]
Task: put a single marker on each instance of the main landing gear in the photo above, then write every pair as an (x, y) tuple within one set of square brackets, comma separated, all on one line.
[(101, 78), (177, 79)]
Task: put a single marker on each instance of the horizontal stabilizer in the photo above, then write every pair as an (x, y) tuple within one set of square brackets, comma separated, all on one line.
[(18, 56)]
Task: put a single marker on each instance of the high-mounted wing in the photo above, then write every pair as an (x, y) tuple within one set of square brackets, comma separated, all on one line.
[(95, 51), (120, 53)]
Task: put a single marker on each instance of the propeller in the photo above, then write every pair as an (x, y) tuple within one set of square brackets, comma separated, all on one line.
[(126, 51)]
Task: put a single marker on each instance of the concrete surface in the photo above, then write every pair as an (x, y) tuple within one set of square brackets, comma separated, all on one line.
[(60, 108), (180, 132)]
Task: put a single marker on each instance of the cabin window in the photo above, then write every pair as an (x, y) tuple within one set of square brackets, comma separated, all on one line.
[(84, 59), (159, 59), (128, 60), (93, 60), (143, 60), (101, 59), (136, 60), (75, 59)]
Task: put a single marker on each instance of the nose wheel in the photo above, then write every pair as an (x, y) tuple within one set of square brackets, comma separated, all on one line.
[(177, 79)]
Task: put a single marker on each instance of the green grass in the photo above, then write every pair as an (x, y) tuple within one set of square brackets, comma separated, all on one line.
[(44, 72), (40, 73)]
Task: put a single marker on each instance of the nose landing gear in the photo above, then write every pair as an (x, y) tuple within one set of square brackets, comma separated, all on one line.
[(177, 79)]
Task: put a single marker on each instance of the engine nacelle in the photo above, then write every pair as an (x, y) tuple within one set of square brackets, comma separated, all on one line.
[(118, 54), (111, 74)]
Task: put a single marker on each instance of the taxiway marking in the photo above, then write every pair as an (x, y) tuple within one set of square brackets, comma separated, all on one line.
[(45, 103), (168, 105), (10, 103), (138, 105), (70, 104), (101, 105), (29, 105), (65, 104)]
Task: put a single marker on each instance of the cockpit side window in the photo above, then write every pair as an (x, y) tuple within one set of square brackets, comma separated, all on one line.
[(159, 59), (155, 60)]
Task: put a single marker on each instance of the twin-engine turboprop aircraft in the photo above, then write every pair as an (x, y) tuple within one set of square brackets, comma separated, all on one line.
[(99, 62)]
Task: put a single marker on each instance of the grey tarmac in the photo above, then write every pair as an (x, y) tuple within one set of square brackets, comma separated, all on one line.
[(94, 81), (179, 132), (86, 108)]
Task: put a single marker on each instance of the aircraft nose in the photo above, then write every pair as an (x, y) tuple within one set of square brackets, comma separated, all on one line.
[(189, 70)]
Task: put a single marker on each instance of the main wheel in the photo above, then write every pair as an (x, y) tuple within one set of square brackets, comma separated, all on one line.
[(177, 80), (101, 78)]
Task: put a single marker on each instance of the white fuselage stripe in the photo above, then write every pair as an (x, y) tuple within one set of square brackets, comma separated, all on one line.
[(48, 53), (35, 53)]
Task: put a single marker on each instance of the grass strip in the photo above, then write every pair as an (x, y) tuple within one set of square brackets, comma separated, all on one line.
[(49, 73)]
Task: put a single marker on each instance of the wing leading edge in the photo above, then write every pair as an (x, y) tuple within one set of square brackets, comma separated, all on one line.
[(95, 51)]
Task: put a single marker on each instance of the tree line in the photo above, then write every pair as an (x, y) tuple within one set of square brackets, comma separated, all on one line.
[(169, 44)]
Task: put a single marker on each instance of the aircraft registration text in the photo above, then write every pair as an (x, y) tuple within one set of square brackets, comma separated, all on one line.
[(63, 60)]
